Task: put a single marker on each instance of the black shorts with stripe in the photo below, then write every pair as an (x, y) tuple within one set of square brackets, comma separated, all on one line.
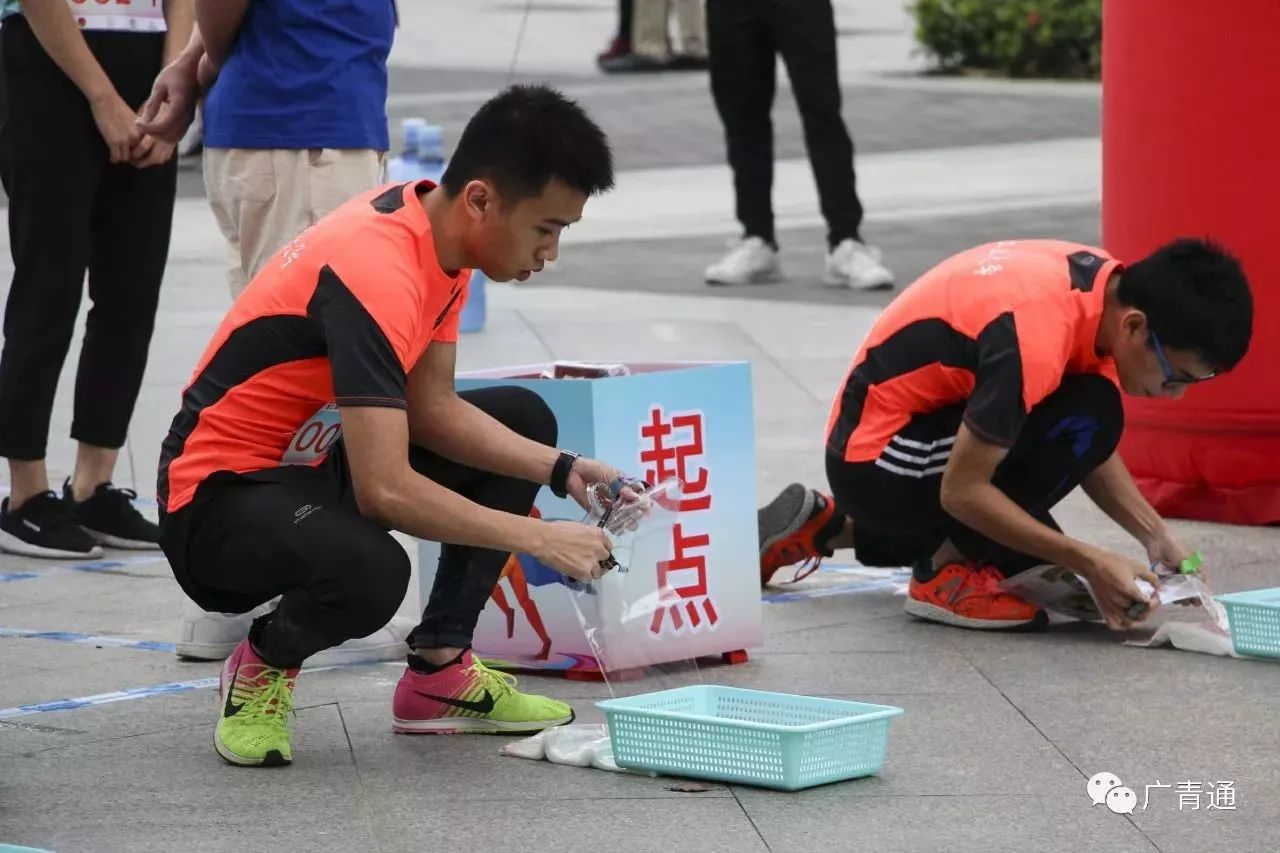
[(895, 500)]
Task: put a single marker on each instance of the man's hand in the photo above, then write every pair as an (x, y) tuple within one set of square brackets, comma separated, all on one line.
[(151, 152), (1111, 578), (172, 106), (587, 471), (116, 122), (1164, 548), (573, 549)]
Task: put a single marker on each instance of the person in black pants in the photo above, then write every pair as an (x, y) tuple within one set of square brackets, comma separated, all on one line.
[(323, 415), (86, 190), (246, 540), (984, 394), (745, 37)]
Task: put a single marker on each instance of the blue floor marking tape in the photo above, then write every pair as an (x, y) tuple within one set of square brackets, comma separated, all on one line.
[(119, 696), (90, 567), (867, 580), (104, 698), (88, 639)]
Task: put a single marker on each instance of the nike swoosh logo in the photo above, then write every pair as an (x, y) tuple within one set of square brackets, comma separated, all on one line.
[(482, 707), (231, 709)]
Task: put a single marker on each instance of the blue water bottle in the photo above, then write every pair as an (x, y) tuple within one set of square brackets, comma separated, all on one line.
[(423, 159)]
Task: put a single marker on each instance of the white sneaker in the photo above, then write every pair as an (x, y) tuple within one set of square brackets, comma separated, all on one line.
[(214, 636), (750, 261), (856, 266)]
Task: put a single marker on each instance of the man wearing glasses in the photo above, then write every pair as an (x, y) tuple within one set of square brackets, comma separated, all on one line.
[(984, 394)]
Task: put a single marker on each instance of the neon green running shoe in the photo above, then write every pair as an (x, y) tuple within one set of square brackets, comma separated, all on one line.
[(253, 726), (468, 697)]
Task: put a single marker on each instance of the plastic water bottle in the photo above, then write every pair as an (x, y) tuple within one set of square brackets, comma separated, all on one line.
[(422, 158)]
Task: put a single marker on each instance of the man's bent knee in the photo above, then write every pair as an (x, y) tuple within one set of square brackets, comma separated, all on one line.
[(375, 588), (520, 409)]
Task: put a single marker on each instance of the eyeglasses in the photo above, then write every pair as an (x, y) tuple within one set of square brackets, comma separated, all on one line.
[(1171, 378)]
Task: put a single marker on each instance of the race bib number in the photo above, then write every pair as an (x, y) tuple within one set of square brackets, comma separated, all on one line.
[(313, 439), (143, 16)]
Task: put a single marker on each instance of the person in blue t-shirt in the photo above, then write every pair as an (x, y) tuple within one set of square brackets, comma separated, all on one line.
[(295, 118), (295, 123)]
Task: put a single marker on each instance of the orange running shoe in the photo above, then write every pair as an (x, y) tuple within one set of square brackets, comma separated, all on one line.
[(791, 526), (969, 596)]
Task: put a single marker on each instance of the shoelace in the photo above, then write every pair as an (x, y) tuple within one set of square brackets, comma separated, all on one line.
[(127, 495), (986, 580), (271, 703), (498, 683), (798, 552)]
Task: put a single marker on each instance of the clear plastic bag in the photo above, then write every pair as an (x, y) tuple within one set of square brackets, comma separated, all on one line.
[(617, 609)]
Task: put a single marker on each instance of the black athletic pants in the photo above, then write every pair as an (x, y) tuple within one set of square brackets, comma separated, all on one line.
[(71, 210), (895, 502), (295, 532), (624, 21), (744, 37)]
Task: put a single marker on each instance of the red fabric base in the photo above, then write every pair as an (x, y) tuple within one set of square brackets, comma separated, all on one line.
[(1189, 150)]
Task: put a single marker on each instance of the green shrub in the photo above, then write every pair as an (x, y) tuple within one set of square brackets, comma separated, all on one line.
[(1018, 38)]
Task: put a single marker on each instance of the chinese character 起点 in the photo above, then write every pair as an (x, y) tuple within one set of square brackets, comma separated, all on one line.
[(668, 454), (682, 586)]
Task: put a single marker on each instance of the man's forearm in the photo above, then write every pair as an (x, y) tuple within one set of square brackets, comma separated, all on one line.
[(455, 429), (56, 30), (219, 24), (426, 510), (1111, 487), (990, 511), (180, 19)]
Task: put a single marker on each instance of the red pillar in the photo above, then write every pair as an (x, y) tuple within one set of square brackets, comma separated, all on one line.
[(1191, 147)]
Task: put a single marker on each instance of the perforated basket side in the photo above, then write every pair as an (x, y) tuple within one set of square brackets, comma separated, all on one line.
[(1254, 619)]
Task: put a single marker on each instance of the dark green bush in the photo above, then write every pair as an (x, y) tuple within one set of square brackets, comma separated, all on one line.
[(1017, 38)]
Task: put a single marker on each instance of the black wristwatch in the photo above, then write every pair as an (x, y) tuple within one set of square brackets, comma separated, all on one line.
[(560, 473)]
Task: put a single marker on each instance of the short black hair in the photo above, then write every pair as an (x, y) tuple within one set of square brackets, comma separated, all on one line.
[(525, 136), (1196, 298)]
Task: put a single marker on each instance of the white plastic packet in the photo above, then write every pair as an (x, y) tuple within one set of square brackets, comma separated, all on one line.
[(1188, 618), (583, 745)]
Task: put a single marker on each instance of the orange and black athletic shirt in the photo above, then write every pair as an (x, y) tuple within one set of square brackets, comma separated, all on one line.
[(337, 317), (995, 328)]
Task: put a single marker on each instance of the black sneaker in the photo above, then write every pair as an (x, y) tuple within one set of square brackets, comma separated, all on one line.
[(110, 517), (42, 527)]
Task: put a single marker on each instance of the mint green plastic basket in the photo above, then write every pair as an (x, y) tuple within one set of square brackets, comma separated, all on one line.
[(1254, 619), (752, 737)]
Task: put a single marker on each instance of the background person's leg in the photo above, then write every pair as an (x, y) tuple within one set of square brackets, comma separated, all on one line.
[(806, 35), (691, 16), (649, 30), (51, 160), (743, 80), (335, 175)]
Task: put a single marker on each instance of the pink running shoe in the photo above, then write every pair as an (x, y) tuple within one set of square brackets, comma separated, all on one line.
[(468, 697)]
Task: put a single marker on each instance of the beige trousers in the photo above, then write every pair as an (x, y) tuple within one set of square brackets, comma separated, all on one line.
[(263, 198), (649, 28)]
